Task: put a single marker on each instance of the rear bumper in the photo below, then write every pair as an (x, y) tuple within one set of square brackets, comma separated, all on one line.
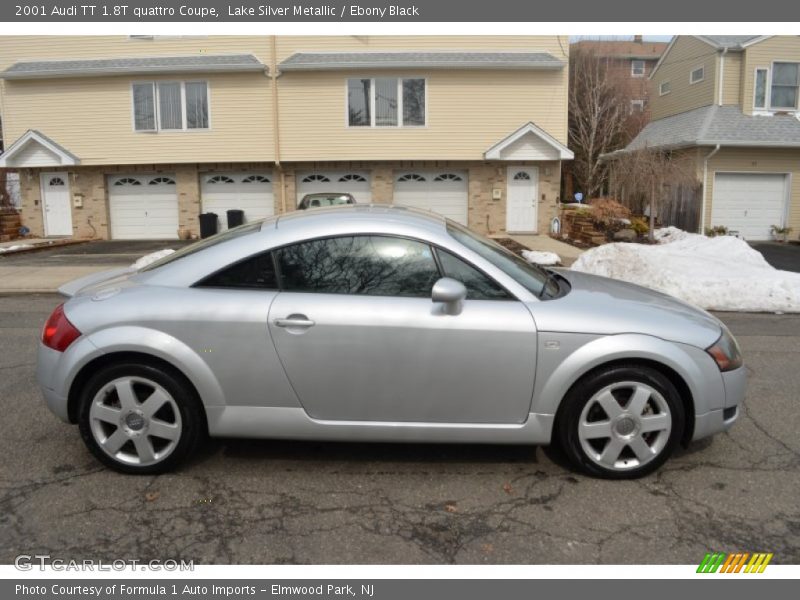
[(716, 421), (56, 403)]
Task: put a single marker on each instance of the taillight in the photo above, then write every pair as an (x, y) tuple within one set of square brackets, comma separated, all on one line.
[(58, 332)]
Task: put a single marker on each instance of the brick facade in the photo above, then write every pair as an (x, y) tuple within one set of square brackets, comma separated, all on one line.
[(88, 186)]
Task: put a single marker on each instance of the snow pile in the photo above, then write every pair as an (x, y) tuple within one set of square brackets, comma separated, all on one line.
[(719, 273), (15, 247), (547, 259), (148, 259)]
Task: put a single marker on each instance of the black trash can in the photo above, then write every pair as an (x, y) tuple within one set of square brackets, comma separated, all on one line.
[(235, 217), (208, 224)]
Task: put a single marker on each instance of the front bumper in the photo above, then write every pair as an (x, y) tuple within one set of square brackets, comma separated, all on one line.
[(715, 421)]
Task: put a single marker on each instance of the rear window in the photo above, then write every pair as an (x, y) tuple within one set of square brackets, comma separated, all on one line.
[(206, 243)]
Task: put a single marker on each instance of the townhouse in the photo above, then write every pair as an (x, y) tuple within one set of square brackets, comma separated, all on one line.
[(732, 104), (134, 137)]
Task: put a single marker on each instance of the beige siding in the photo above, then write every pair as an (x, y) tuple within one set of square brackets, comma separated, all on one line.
[(762, 54), (468, 111), (686, 54), (92, 118), (732, 78), (755, 160)]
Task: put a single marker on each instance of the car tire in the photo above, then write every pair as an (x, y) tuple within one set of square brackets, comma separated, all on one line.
[(620, 422), (140, 418)]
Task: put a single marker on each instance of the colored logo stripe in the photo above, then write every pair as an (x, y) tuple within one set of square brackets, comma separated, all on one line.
[(734, 563)]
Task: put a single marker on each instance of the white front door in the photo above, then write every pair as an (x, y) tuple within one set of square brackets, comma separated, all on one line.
[(56, 204), (521, 204)]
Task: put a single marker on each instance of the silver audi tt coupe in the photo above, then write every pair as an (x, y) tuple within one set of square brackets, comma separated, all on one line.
[(385, 324)]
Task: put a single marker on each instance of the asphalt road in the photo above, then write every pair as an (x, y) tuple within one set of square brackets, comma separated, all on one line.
[(281, 502)]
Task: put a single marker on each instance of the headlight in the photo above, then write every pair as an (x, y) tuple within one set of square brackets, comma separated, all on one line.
[(725, 352)]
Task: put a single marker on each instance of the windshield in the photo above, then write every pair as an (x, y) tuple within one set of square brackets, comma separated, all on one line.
[(532, 277), (205, 243)]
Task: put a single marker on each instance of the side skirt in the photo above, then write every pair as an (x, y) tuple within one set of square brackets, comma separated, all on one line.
[(294, 423)]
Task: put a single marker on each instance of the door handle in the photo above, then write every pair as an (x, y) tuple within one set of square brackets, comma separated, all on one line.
[(294, 322)]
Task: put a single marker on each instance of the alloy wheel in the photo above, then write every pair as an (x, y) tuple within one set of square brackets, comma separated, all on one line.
[(135, 421), (624, 426)]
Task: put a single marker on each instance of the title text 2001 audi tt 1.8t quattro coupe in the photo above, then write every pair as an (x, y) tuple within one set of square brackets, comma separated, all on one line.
[(370, 323)]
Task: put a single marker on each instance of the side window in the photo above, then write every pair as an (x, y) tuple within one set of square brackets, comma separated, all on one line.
[(367, 265), (479, 286), (256, 272)]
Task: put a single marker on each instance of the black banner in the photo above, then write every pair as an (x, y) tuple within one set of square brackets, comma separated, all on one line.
[(149, 11)]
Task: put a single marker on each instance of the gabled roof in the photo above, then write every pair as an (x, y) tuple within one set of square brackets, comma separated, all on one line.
[(718, 42), (202, 63), (322, 61), (735, 42), (61, 156), (511, 147), (712, 125)]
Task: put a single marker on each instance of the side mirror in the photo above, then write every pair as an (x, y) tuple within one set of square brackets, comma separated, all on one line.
[(451, 293)]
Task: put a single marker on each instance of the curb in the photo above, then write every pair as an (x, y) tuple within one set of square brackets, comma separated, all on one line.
[(47, 246)]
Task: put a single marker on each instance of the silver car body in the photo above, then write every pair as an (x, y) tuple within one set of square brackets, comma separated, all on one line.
[(382, 368)]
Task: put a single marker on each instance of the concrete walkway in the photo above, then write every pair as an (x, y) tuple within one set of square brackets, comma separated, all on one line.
[(544, 243)]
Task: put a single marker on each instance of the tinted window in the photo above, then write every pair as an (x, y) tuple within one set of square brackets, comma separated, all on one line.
[(479, 286), (257, 272), (534, 278), (370, 265)]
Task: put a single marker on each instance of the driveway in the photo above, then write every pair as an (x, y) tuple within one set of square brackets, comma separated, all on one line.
[(784, 256), (306, 502), (46, 270)]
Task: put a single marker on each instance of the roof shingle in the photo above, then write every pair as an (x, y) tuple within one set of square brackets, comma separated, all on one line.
[(304, 61)]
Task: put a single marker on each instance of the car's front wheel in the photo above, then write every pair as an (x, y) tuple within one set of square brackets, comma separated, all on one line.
[(139, 418), (621, 422)]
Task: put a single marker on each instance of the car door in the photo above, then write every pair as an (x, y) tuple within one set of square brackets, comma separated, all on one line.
[(361, 340)]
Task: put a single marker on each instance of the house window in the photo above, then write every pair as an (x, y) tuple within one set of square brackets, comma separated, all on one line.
[(386, 102), (170, 106), (664, 88), (637, 106), (637, 68), (760, 91), (697, 75), (785, 81)]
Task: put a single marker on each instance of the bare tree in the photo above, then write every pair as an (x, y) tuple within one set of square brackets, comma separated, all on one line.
[(646, 175), (599, 111)]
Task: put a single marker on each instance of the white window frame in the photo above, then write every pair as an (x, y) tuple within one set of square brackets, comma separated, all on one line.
[(640, 104), (633, 70), (184, 125), (661, 85), (702, 69), (767, 84), (372, 125), (771, 108)]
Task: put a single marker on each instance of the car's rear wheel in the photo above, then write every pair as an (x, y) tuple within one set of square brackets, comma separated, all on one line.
[(139, 418), (621, 422)]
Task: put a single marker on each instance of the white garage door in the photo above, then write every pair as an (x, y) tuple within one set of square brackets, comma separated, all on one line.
[(353, 182), (444, 192), (749, 203), (143, 207), (250, 192)]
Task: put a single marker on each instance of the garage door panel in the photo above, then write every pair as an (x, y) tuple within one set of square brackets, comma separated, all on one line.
[(749, 203), (143, 207), (247, 191), (356, 183), (443, 192)]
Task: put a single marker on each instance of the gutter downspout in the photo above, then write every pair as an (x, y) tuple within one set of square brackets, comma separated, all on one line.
[(705, 188), (721, 74), (276, 132)]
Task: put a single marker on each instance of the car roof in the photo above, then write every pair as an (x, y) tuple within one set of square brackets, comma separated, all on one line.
[(359, 216)]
